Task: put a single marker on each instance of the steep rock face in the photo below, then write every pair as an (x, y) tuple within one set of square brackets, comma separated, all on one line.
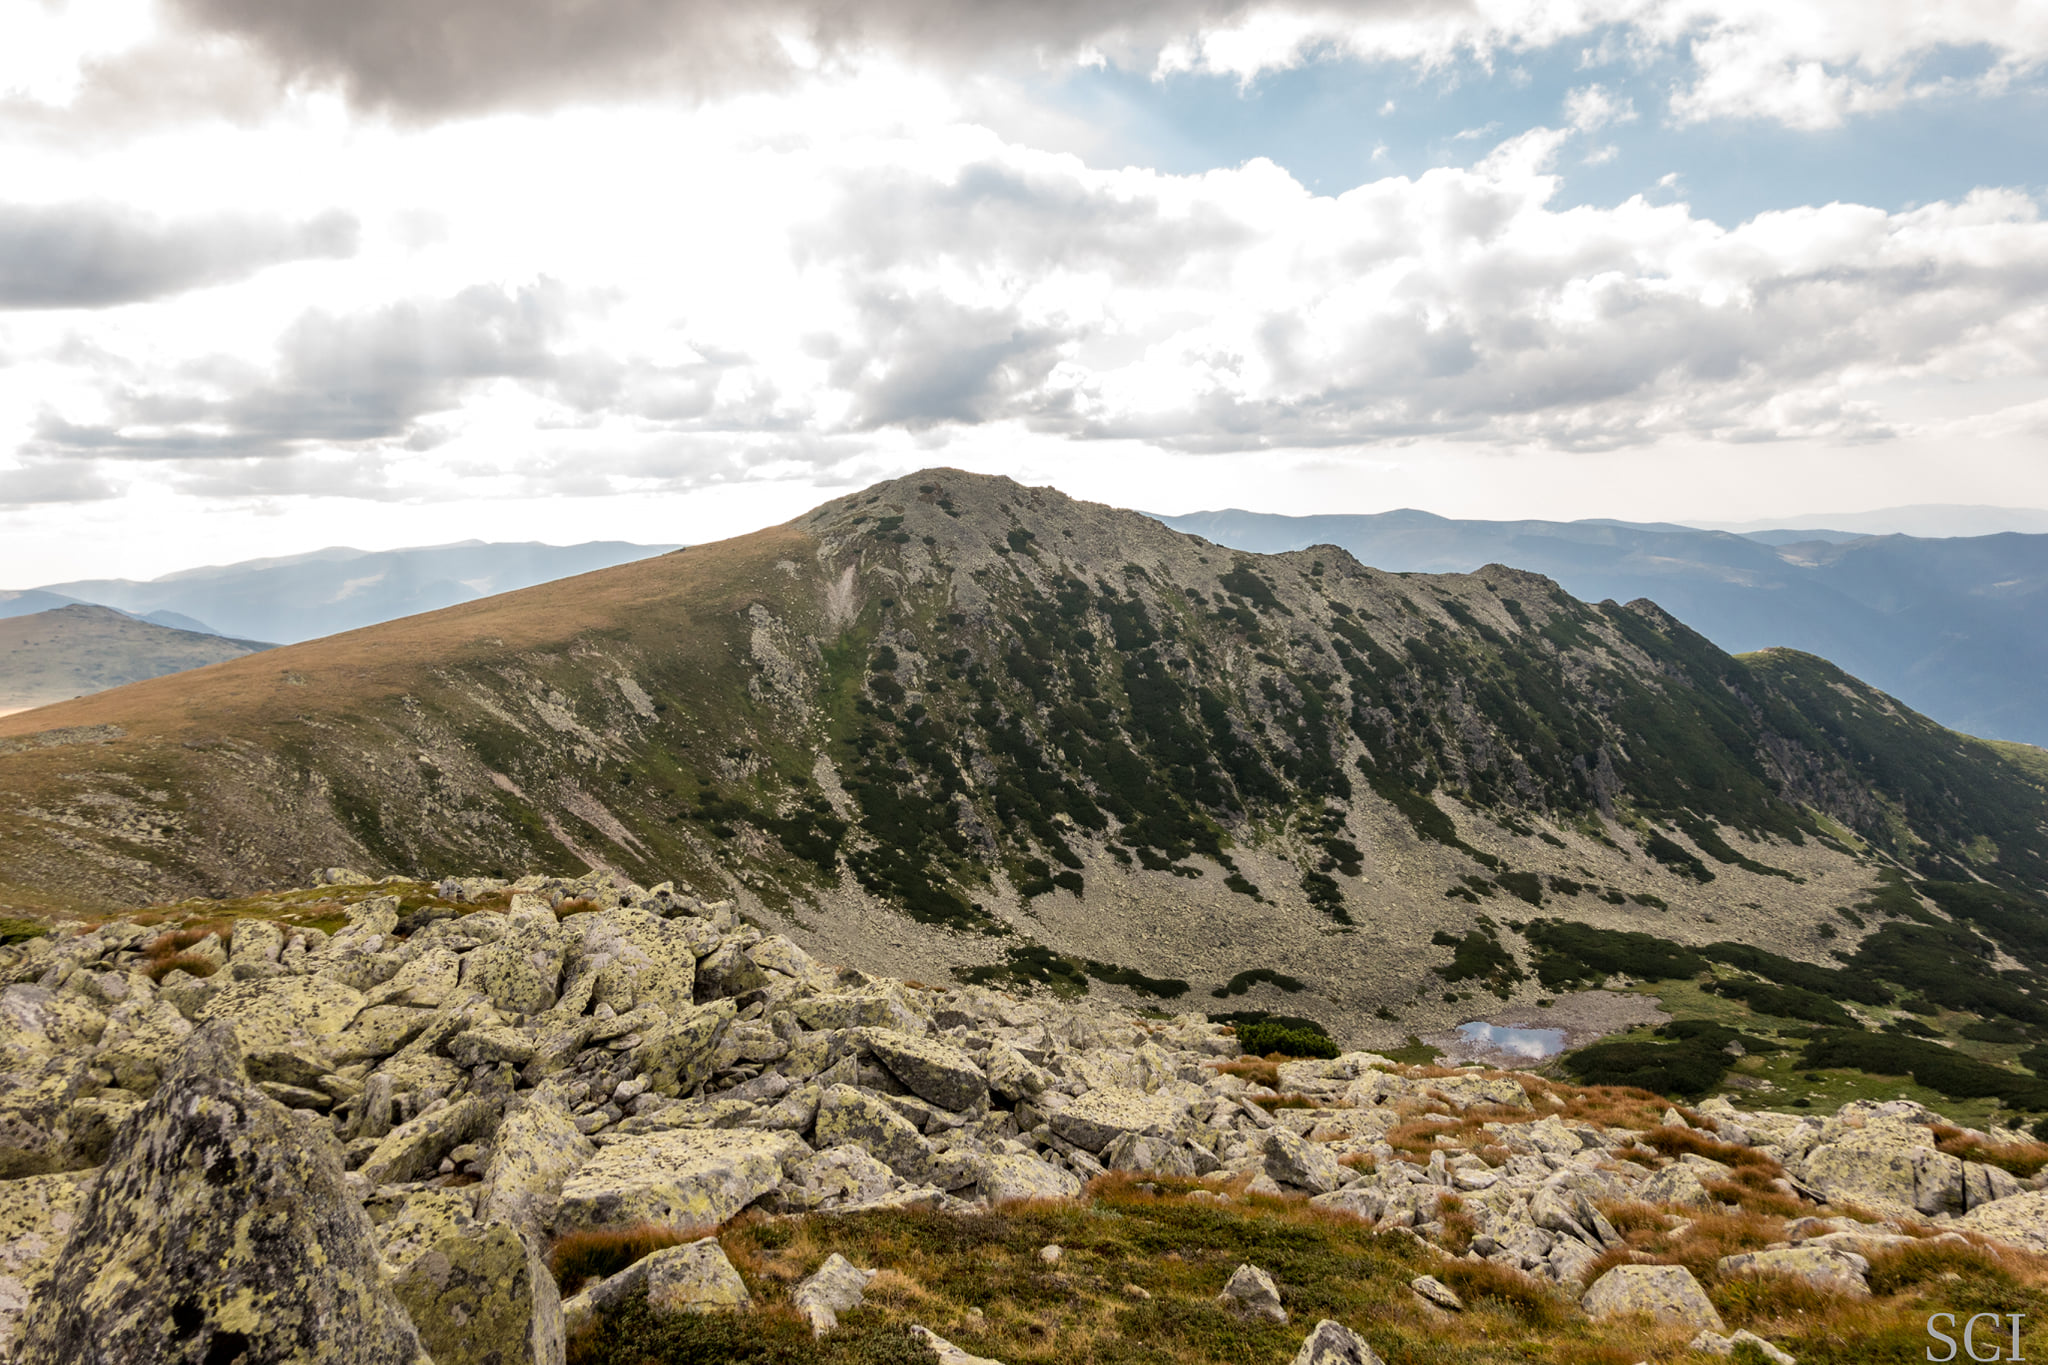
[(220, 1229)]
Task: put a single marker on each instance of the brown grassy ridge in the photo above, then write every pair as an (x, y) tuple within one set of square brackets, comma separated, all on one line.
[(1143, 1263)]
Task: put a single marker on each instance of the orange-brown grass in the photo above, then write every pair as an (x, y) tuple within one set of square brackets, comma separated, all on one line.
[(580, 1257), (2022, 1159), (1258, 1070), (1677, 1141), (157, 968), (1287, 1101), (1460, 1227), (176, 941), (1607, 1106), (1752, 1187), (1421, 1136)]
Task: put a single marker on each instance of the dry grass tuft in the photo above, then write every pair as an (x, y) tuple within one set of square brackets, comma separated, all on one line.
[(157, 968), (2022, 1159), (578, 1258)]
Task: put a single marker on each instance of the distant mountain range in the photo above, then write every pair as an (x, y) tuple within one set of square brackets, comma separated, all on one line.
[(69, 651), (1957, 628), (323, 592)]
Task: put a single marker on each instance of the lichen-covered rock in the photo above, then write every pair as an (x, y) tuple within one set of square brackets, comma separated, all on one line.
[(536, 1150), (931, 1071), (141, 1037), (522, 972), (487, 1046), (696, 1278), (2021, 1221), (1675, 1185), (689, 1178), (945, 1352), (850, 1116), (1129, 1152), (478, 1293), (36, 1110), (1251, 1293), (283, 1012), (880, 1009), (36, 1214), (830, 1290), (1013, 1075), (1823, 1267), (219, 1230), (1714, 1344), (1094, 1119), (677, 1056), (1668, 1293), (1302, 1164), (413, 1151), (1009, 1176), (37, 1024), (1332, 1343), (838, 1177), (1887, 1165)]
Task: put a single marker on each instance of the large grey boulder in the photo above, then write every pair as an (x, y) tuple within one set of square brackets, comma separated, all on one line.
[(220, 1229), (677, 1056), (1011, 1176), (36, 1215), (478, 1293), (1823, 1267), (1291, 1160), (689, 1178), (1668, 1293), (1095, 1119), (847, 1115), (536, 1150), (695, 1277), (943, 1075), (1887, 1165), (2020, 1221)]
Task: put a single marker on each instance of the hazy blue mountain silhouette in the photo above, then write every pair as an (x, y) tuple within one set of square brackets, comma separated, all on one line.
[(302, 597)]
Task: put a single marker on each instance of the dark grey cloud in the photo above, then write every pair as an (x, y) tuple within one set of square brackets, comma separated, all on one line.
[(433, 57), (96, 255), (923, 360), (54, 481), (336, 380)]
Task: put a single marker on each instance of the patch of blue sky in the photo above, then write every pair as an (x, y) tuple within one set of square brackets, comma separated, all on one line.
[(1338, 122)]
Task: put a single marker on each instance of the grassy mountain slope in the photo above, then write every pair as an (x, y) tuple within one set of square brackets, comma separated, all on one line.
[(56, 655), (952, 723)]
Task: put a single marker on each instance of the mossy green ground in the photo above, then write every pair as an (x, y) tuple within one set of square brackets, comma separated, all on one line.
[(1140, 1271)]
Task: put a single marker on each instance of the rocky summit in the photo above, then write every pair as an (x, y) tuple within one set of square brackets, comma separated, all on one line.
[(582, 1119)]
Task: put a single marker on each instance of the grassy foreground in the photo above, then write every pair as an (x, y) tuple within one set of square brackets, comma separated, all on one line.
[(1142, 1262)]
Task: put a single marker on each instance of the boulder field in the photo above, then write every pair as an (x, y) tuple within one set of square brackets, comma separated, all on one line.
[(360, 1145)]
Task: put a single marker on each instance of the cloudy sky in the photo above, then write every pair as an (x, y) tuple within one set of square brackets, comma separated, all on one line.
[(277, 274)]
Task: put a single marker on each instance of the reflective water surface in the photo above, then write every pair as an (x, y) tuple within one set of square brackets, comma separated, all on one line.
[(1532, 1043)]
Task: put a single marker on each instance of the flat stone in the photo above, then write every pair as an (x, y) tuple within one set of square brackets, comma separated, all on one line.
[(414, 1150), (1093, 1120), (688, 1178), (1305, 1165), (1013, 1176), (946, 1352), (942, 1075)]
